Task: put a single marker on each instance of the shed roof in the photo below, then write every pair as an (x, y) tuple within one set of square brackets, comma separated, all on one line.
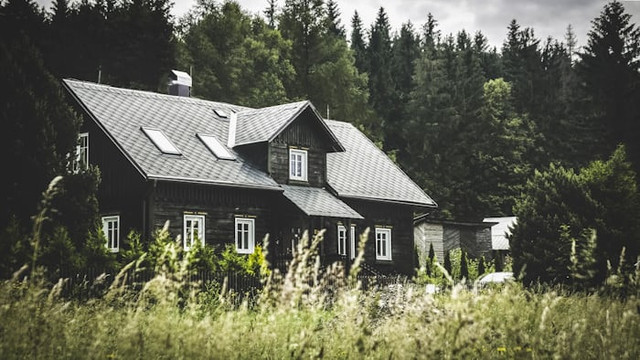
[(501, 231), (318, 202)]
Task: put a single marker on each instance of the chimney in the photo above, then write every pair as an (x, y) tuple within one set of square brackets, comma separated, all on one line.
[(179, 83)]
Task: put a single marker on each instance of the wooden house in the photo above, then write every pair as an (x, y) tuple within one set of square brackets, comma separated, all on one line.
[(226, 174), (446, 235)]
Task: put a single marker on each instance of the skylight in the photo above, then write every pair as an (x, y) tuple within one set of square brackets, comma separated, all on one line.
[(216, 147), (160, 140)]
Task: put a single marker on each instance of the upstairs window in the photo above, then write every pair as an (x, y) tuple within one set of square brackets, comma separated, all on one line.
[(161, 141), (245, 235), (219, 150), (383, 244), (81, 161), (193, 230), (111, 230), (298, 164)]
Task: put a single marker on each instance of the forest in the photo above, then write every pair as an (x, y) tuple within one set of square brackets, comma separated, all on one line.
[(484, 131)]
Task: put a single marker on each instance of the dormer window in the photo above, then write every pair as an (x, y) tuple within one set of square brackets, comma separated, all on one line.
[(298, 164), (161, 141)]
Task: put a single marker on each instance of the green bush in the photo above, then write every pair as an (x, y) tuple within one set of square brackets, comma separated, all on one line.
[(561, 209)]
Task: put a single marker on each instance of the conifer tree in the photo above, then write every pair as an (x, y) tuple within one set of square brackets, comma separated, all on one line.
[(357, 43), (464, 265), (447, 263)]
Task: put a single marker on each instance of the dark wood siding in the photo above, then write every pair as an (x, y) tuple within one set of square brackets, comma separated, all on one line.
[(122, 190), (219, 205), (307, 134), (399, 218)]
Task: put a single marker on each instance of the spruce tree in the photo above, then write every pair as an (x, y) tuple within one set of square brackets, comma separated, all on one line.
[(357, 43), (481, 266), (447, 263), (609, 68)]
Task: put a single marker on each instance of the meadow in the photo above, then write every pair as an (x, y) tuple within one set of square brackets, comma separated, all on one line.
[(311, 312)]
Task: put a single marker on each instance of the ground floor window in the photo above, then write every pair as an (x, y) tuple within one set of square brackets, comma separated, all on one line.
[(193, 230), (111, 230), (383, 244), (342, 240), (245, 235), (353, 242)]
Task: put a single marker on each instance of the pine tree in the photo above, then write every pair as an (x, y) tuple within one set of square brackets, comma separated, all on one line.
[(333, 20), (432, 253), (447, 263), (610, 69), (357, 43)]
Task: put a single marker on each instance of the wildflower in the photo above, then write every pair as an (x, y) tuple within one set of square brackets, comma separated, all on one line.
[(502, 349)]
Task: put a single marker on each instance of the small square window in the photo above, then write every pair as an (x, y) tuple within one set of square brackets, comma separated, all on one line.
[(111, 231), (245, 235), (81, 161), (383, 244), (298, 164), (193, 230)]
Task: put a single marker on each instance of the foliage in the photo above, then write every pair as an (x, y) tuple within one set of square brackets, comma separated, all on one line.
[(309, 312), (561, 212)]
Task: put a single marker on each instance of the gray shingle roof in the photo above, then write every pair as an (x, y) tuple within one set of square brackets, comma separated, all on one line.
[(260, 125), (318, 202), (364, 171), (122, 112)]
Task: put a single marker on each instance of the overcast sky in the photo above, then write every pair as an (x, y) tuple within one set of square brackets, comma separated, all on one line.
[(547, 17)]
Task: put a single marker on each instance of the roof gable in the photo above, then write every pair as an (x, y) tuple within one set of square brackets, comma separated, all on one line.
[(265, 124)]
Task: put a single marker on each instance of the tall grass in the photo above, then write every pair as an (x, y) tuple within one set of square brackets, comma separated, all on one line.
[(311, 312)]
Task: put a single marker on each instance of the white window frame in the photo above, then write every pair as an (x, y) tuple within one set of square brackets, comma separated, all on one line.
[(188, 231), (81, 161), (298, 156), (342, 240), (383, 244), (248, 235), (353, 242), (112, 235)]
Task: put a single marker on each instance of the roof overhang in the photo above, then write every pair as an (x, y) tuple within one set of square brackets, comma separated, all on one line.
[(319, 202)]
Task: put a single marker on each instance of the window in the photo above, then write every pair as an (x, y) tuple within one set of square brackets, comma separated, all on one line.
[(353, 242), (193, 230), (342, 240), (81, 161), (298, 164), (161, 141), (245, 235), (383, 244), (111, 230), (219, 150)]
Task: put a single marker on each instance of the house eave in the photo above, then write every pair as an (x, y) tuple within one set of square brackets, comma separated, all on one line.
[(188, 180)]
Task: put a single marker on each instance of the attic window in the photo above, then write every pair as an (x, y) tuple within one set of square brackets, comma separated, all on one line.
[(216, 147), (221, 113), (161, 141)]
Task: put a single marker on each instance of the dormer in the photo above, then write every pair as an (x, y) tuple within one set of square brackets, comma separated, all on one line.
[(289, 141)]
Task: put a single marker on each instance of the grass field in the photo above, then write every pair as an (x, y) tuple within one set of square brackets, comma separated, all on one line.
[(309, 313)]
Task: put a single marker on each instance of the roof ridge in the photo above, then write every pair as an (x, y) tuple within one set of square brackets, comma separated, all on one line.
[(151, 94)]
